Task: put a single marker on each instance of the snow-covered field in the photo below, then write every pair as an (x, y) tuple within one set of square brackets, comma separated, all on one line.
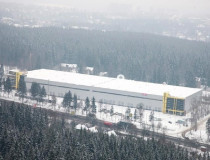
[(163, 122)]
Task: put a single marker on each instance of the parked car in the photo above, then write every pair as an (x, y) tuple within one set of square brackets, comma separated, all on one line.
[(109, 124)]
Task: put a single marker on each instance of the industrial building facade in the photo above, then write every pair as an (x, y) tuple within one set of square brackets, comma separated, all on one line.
[(122, 92)]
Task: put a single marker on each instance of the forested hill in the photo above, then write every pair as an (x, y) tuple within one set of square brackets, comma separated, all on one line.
[(33, 133), (138, 56)]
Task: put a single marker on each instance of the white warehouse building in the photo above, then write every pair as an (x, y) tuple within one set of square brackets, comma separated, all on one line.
[(114, 91)]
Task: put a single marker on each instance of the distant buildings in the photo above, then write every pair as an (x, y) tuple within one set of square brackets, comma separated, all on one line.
[(69, 67)]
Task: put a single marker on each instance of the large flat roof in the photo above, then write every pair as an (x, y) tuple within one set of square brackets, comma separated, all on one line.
[(144, 88)]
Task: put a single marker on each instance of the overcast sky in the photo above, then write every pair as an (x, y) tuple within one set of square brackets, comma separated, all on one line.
[(195, 7)]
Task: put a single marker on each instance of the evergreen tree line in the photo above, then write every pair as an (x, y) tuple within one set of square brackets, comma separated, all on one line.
[(38, 92), (69, 101), (7, 85), (89, 107), (138, 56), (31, 133)]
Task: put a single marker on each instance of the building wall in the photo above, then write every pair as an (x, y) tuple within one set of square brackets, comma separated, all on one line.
[(127, 98), (108, 96), (189, 100)]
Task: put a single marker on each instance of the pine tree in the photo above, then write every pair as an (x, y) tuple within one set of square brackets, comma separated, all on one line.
[(135, 115), (93, 105), (42, 94), (70, 98), (127, 113), (67, 100), (151, 116), (1, 71), (8, 85), (208, 129), (22, 88), (35, 90), (112, 110), (54, 100), (0, 85), (140, 107), (52, 140), (151, 119), (75, 102), (87, 105), (1, 75)]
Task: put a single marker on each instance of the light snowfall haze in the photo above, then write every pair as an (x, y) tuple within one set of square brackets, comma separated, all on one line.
[(180, 7)]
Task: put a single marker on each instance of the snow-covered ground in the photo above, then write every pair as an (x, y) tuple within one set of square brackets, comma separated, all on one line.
[(81, 126), (163, 122), (200, 134)]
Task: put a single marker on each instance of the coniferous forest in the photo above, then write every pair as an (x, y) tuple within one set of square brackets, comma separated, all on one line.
[(31, 133), (139, 56)]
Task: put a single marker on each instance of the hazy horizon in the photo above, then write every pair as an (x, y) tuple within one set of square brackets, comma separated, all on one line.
[(132, 7)]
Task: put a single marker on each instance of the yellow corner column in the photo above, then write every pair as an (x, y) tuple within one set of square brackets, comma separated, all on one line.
[(17, 79), (165, 95)]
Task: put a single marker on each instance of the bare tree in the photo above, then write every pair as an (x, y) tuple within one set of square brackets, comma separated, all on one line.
[(159, 125), (100, 104), (127, 114), (135, 115)]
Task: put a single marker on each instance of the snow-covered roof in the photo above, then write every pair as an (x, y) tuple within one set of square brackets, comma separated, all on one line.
[(67, 77), (144, 88)]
